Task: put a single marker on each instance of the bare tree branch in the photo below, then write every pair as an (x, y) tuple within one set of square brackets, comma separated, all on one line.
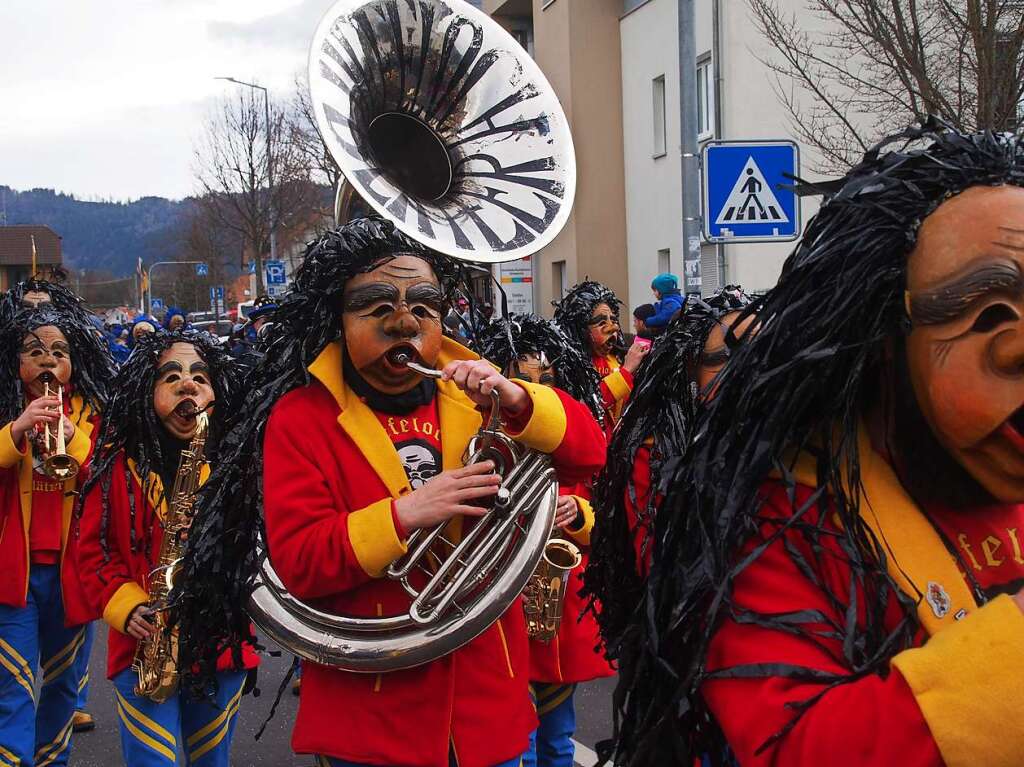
[(877, 65)]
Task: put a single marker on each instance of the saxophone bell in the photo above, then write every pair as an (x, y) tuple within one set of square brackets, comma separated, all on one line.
[(544, 595)]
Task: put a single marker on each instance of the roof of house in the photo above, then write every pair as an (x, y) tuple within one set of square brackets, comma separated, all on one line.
[(16, 245)]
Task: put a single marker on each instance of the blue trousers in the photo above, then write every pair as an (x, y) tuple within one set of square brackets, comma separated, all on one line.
[(551, 743), (179, 731), (324, 761), (32, 635), (83, 667)]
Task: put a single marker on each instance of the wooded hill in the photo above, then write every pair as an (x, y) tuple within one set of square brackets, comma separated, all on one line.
[(101, 236)]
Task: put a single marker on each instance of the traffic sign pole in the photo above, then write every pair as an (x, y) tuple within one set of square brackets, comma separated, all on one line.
[(689, 161)]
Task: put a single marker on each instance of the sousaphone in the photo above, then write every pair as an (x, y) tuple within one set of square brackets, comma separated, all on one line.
[(443, 124)]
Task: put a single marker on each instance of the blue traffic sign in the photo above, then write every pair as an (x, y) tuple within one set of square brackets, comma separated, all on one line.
[(156, 303), (275, 272), (748, 191), (217, 294), (202, 270)]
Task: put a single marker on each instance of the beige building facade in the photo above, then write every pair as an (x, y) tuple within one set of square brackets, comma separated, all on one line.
[(614, 65), (576, 44)]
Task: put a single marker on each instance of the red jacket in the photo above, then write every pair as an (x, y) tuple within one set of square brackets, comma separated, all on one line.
[(576, 653), (616, 386), (953, 700), (328, 495), (16, 517), (117, 581)]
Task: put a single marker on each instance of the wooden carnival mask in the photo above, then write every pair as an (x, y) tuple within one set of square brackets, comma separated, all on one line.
[(45, 357), (965, 352), (604, 328), (534, 368), (395, 307), (183, 388), (716, 351)]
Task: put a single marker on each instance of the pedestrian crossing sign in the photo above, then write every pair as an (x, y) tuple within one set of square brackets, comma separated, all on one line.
[(748, 191)]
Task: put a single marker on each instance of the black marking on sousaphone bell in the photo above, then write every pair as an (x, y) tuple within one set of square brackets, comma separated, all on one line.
[(410, 63)]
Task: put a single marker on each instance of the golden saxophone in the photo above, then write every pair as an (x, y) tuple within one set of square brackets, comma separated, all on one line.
[(544, 595), (156, 658)]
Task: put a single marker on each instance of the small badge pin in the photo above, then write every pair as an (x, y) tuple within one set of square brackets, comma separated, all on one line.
[(938, 599)]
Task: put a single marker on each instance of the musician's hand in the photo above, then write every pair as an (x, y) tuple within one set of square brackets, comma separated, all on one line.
[(137, 625), (1019, 599), (566, 511), (635, 356), (447, 495), (41, 410), (69, 430), (477, 378)]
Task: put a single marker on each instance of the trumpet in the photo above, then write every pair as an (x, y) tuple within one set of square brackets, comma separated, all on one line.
[(57, 464)]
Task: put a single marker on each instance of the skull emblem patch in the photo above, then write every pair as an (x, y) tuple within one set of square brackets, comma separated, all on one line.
[(421, 462)]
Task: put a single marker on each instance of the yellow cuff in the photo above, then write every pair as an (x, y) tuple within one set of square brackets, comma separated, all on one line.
[(617, 385), (78, 447), (9, 453), (967, 680), (582, 534), (371, 531), (129, 596), (546, 428)]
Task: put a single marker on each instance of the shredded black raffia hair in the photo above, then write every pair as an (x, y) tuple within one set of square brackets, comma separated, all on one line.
[(221, 556), (504, 339), (62, 301), (801, 384), (661, 409), (131, 423), (572, 314), (91, 366)]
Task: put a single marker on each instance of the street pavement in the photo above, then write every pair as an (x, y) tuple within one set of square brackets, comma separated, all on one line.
[(102, 746)]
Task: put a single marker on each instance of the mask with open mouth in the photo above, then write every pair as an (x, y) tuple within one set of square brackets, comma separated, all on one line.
[(45, 357), (965, 352), (393, 313), (182, 389)]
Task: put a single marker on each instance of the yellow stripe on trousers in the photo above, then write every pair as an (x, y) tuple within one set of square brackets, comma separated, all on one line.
[(213, 742), (57, 746), (146, 722), (64, 650), (56, 671), (142, 737), (19, 668)]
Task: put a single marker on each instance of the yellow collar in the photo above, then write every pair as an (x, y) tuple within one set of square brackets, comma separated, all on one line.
[(916, 556), (459, 418)]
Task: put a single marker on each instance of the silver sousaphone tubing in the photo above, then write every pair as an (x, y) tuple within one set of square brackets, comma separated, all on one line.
[(442, 123), (459, 586)]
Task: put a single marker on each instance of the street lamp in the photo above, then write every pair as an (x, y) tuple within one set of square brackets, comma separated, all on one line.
[(270, 176)]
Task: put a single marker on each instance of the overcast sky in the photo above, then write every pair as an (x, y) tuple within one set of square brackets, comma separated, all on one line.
[(105, 98)]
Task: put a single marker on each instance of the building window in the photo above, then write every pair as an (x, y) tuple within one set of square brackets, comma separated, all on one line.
[(658, 91), (705, 99), (664, 261), (558, 280)]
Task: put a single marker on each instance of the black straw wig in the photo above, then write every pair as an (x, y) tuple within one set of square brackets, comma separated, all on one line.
[(221, 558), (801, 384), (505, 339), (62, 301), (661, 413), (131, 423), (572, 314), (91, 366)]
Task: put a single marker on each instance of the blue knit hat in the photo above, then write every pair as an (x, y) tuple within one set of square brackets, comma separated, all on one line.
[(665, 283)]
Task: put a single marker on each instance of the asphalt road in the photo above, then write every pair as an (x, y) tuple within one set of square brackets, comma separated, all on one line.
[(102, 746)]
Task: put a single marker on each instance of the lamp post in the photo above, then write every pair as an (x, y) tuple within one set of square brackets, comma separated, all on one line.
[(690, 159), (270, 181), (149, 276)]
